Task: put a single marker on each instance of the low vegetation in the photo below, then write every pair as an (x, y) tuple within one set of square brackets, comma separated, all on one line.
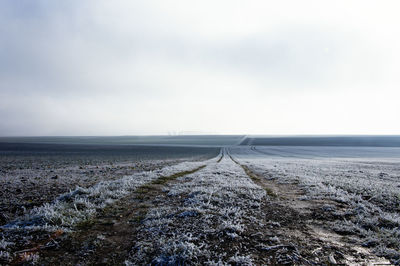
[(364, 196), (243, 207)]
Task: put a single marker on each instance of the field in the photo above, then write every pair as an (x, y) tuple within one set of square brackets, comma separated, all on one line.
[(177, 140), (166, 205), (354, 192)]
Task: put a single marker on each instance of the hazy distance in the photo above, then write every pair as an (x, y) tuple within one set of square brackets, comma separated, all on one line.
[(215, 67)]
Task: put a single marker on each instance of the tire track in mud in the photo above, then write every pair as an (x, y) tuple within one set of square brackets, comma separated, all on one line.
[(256, 179), (110, 237), (194, 224), (299, 224), (279, 231), (209, 218), (103, 238)]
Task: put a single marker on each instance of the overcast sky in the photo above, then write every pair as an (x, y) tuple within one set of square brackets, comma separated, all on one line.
[(227, 67)]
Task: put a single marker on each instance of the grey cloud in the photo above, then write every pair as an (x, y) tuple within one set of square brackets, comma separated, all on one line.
[(98, 52), (64, 54)]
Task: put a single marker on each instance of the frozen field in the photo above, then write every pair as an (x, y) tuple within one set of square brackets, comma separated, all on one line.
[(360, 186), (249, 205), (34, 174)]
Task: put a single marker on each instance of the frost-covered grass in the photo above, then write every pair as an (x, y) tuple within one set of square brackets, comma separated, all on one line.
[(368, 187), (78, 207), (33, 185), (81, 204), (205, 212), (4, 254), (33, 174)]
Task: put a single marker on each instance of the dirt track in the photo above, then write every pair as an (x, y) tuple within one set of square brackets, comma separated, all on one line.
[(303, 225), (223, 212)]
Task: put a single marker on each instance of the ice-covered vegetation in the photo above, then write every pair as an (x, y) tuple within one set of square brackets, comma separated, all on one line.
[(34, 174), (368, 189), (80, 205), (207, 212), (254, 205)]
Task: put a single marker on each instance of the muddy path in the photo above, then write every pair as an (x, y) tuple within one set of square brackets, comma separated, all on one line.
[(303, 224), (108, 238), (81, 222)]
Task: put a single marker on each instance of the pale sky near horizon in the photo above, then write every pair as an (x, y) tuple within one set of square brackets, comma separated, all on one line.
[(230, 67)]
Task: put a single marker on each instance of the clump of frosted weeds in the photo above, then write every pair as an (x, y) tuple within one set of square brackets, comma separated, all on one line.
[(5, 256), (4, 243), (31, 257), (177, 252), (232, 226), (241, 260), (216, 263)]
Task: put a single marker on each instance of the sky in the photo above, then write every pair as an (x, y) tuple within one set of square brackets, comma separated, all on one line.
[(100, 67)]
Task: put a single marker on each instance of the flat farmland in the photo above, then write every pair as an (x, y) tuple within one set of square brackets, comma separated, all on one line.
[(228, 205), (33, 174), (351, 193)]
